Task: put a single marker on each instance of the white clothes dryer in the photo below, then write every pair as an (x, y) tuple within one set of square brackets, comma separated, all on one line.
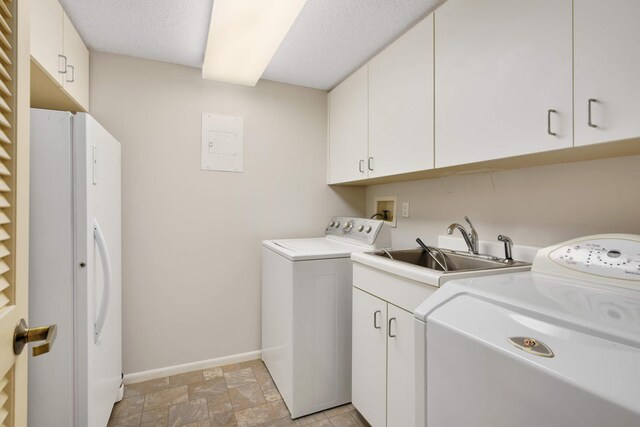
[(306, 312), (556, 346)]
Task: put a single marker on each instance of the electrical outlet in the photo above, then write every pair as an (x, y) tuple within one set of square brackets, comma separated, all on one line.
[(405, 209)]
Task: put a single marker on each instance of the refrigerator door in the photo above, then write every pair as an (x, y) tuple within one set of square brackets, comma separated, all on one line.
[(98, 294), (51, 266)]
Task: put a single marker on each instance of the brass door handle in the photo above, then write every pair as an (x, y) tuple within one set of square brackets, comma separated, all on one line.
[(23, 335)]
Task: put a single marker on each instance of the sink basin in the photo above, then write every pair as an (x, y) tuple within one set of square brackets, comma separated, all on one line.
[(455, 261)]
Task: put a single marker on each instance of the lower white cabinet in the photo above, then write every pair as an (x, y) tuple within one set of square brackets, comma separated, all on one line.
[(369, 358), (400, 368), (383, 361)]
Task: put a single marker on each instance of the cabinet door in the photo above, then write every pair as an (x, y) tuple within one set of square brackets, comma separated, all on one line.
[(46, 36), (401, 371), (369, 367), (76, 79), (607, 60), (401, 104), (348, 132), (503, 79)]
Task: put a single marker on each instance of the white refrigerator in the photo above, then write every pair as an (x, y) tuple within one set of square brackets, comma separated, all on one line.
[(75, 269)]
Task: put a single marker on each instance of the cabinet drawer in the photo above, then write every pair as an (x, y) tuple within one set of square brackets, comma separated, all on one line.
[(405, 293)]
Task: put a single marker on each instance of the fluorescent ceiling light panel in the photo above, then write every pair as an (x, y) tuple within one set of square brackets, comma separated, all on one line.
[(243, 37)]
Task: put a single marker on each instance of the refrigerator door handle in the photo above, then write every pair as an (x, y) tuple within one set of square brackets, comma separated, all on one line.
[(106, 270)]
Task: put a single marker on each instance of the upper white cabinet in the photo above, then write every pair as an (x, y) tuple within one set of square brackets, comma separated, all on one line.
[(503, 79), (401, 104), (47, 37), (381, 117), (348, 133), (61, 77), (76, 79), (484, 80), (607, 76)]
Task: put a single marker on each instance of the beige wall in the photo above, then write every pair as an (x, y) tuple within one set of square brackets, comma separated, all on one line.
[(191, 239), (537, 206), (191, 255)]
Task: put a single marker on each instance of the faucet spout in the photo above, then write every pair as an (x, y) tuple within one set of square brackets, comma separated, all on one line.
[(453, 227), (466, 236)]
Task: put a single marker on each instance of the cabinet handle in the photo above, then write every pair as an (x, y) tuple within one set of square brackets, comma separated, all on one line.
[(549, 122), (389, 331), (64, 69), (589, 102), (375, 319), (370, 163), (361, 166), (73, 74)]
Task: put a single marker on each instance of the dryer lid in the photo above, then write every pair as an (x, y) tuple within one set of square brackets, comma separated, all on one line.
[(609, 310)]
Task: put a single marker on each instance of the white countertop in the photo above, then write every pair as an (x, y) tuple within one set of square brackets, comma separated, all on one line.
[(437, 278), (426, 275)]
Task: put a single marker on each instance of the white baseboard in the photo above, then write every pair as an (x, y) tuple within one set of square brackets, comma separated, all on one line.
[(153, 374)]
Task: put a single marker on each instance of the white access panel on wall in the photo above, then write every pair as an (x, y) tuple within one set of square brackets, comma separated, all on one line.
[(222, 143)]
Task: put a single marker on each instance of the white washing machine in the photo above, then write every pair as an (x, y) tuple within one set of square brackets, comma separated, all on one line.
[(557, 346), (306, 312)]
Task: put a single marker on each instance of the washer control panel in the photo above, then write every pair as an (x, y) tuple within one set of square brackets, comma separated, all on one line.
[(359, 229), (612, 258)]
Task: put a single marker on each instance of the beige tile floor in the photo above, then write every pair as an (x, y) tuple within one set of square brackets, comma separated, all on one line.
[(240, 395)]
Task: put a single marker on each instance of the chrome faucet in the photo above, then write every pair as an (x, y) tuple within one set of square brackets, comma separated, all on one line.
[(470, 237)]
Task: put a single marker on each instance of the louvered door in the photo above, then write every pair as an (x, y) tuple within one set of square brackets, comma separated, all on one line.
[(14, 220)]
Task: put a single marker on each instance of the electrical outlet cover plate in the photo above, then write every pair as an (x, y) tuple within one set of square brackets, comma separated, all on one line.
[(405, 209)]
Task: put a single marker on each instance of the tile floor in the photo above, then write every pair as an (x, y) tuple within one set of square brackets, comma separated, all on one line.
[(240, 395)]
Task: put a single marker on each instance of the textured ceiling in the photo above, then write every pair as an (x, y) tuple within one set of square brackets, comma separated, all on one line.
[(163, 30), (328, 41), (332, 38)]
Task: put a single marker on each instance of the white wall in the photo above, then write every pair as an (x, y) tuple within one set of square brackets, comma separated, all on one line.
[(534, 206), (191, 239)]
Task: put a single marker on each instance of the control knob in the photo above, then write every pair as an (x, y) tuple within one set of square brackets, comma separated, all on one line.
[(368, 229), (361, 228), (331, 224), (337, 224), (348, 226)]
